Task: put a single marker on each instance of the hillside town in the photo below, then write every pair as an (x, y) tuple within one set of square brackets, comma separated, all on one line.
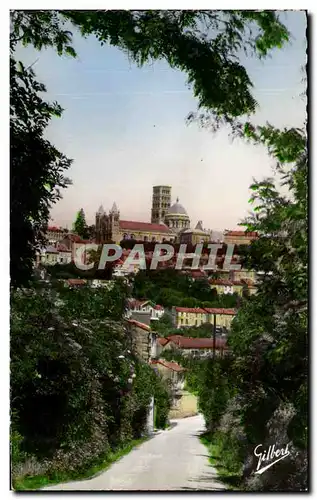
[(169, 223), (153, 348)]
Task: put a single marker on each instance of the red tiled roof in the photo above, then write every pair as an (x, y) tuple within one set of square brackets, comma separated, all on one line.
[(158, 307), (143, 226), (197, 273), (76, 282), (221, 282), (137, 303), (162, 341), (226, 282), (84, 242), (247, 281), (216, 310), (63, 248), (196, 310), (143, 326), (53, 228), (168, 364), (242, 233), (197, 343)]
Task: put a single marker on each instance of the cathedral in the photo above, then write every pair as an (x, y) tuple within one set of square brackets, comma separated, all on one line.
[(168, 223), (109, 227)]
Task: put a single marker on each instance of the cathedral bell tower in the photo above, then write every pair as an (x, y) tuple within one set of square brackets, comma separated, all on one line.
[(114, 222), (100, 225)]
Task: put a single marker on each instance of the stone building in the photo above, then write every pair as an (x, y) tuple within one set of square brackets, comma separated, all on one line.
[(143, 341), (169, 223), (55, 234), (177, 218), (194, 316), (195, 236), (54, 254), (161, 201), (189, 346), (239, 237), (109, 227)]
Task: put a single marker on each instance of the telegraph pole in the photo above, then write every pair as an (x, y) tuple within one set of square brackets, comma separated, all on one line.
[(214, 337)]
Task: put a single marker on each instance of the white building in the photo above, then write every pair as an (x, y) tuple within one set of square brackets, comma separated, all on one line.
[(52, 255), (145, 306)]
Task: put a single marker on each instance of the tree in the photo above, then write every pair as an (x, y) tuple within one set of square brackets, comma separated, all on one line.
[(80, 226), (72, 399), (36, 170), (269, 364), (164, 325), (203, 44)]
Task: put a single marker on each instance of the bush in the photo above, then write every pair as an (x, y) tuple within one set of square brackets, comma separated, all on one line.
[(71, 394)]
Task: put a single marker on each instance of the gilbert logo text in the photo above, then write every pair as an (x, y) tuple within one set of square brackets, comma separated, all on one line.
[(272, 455)]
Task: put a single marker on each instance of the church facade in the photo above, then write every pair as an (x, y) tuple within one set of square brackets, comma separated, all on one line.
[(168, 224), (109, 227)]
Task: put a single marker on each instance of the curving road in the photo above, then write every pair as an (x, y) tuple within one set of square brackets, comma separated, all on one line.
[(173, 460)]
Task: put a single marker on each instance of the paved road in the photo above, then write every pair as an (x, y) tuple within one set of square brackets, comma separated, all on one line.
[(171, 460)]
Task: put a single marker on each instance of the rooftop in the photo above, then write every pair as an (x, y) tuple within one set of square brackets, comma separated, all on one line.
[(241, 233), (209, 310), (171, 365), (143, 326), (197, 343), (176, 209), (195, 310), (143, 226)]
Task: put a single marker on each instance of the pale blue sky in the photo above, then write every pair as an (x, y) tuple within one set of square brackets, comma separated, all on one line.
[(125, 129)]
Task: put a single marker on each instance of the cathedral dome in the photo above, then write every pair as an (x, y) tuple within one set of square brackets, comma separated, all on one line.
[(176, 217), (176, 208)]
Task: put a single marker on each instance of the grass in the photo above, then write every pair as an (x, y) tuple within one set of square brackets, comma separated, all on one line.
[(231, 479), (101, 464)]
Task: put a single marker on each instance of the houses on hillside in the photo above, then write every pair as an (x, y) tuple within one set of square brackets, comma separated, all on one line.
[(173, 373), (143, 340), (195, 316), (54, 254), (145, 306), (148, 347), (239, 237), (188, 346), (229, 287)]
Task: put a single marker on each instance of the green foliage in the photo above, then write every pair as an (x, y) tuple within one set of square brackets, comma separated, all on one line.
[(223, 456), (164, 325), (266, 373), (168, 287), (231, 452), (36, 169), (71, 392), (214, 391), (203, 44), (80, 226), (99, 464)]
